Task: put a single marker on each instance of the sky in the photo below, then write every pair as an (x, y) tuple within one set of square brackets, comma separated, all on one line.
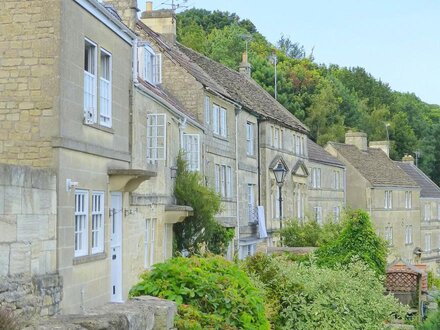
[(397, 41)]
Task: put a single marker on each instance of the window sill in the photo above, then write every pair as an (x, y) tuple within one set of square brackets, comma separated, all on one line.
[(220, 137), (408, 244), (251, 156), (89, 258), (101, 128)]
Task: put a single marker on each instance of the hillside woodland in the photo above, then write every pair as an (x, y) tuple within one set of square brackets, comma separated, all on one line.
[(328, 98)]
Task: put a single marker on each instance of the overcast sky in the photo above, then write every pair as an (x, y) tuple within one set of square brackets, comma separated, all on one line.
[(397, 41)]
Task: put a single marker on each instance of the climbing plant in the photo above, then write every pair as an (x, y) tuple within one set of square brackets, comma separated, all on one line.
[(201, 230)]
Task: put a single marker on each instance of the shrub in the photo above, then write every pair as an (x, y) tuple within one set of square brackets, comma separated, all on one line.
[(358, 238), (212, 293), (201, 229), (432, 322), (310, 297), (308, 233)]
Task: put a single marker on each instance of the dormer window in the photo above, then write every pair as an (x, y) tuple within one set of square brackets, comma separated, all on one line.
[(149, 65)]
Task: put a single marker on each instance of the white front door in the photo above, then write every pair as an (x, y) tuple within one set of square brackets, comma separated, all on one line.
[(116, 246)]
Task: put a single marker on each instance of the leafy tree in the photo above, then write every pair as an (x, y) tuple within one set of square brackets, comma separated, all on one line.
[(211, 293), (301, 296), (358, 239), (290, 48), (200, 229)]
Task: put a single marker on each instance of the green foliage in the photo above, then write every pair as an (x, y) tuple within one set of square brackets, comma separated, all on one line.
[(432, 321), (329, 99), (310, 297), (308, 233), (212, 293), (357, 239), (433, 281), (201, 229)]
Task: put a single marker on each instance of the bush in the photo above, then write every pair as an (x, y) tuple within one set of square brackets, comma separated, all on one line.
[(308, 233), (212, 293), (432, 322), (309, 297), (358, 238), (201, 229)]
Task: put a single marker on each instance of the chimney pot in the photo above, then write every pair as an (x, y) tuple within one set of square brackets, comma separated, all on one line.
[(245, 67), (408, 159), (149, 6)]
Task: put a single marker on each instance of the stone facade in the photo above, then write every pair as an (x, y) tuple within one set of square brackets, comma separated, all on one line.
[(29, 283), (29, 80)]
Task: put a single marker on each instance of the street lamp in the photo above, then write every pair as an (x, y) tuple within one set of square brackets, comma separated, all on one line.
[(280, 174), (388, 136), (274, 60)]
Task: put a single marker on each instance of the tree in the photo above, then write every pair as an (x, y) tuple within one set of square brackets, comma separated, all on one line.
[(357, 239), (200, 229), (291, 49)]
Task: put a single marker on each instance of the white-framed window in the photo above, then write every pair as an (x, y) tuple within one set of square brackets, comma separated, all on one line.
[(97, 221), (427, 242), (156, 137), (438, 242), (388, 199), (276, 138), (81, 222), (336, 213), (207, 109), (215, 119), (317, 210), (316, 177), (191, 145), (408, 234), (408, 199), (90, 82), (300, 197), (389, 234), (438, 211), (298, 145), (250, 139), (251, 203), (302, 146), (150, 236), (217, 175), (223, 123), (228, 188), (149, 65), (223, 180), (427, 212), (336, 180), (105, 89)]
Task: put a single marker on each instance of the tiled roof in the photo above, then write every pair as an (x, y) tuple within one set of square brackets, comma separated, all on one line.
[(375, 166), (165, 96), (229, 83), (429, 188), (317, 154), (245, 91)]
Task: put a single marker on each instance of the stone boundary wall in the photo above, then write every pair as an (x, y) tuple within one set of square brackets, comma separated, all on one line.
[(140, 313), (29, 284)]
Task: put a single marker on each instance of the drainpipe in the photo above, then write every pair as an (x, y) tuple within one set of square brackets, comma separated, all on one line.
[(237, 112), (258, 162)]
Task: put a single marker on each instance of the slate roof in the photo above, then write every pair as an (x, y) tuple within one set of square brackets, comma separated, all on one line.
[(429, 188), (245, 91), (318, 154), (229, 83), (375, 166)]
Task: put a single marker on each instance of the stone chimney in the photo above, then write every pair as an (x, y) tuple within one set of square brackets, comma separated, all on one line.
[(245, 67), (408, 159), (162, 21), (358, 139), (127, 9), (384, 145)]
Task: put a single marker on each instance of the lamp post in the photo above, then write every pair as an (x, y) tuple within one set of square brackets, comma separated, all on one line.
[(280, 174), (274, 59), (388, 136)]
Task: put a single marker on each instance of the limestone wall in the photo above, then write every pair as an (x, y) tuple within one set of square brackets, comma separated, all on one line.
[(29, 284), (29, 42)]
